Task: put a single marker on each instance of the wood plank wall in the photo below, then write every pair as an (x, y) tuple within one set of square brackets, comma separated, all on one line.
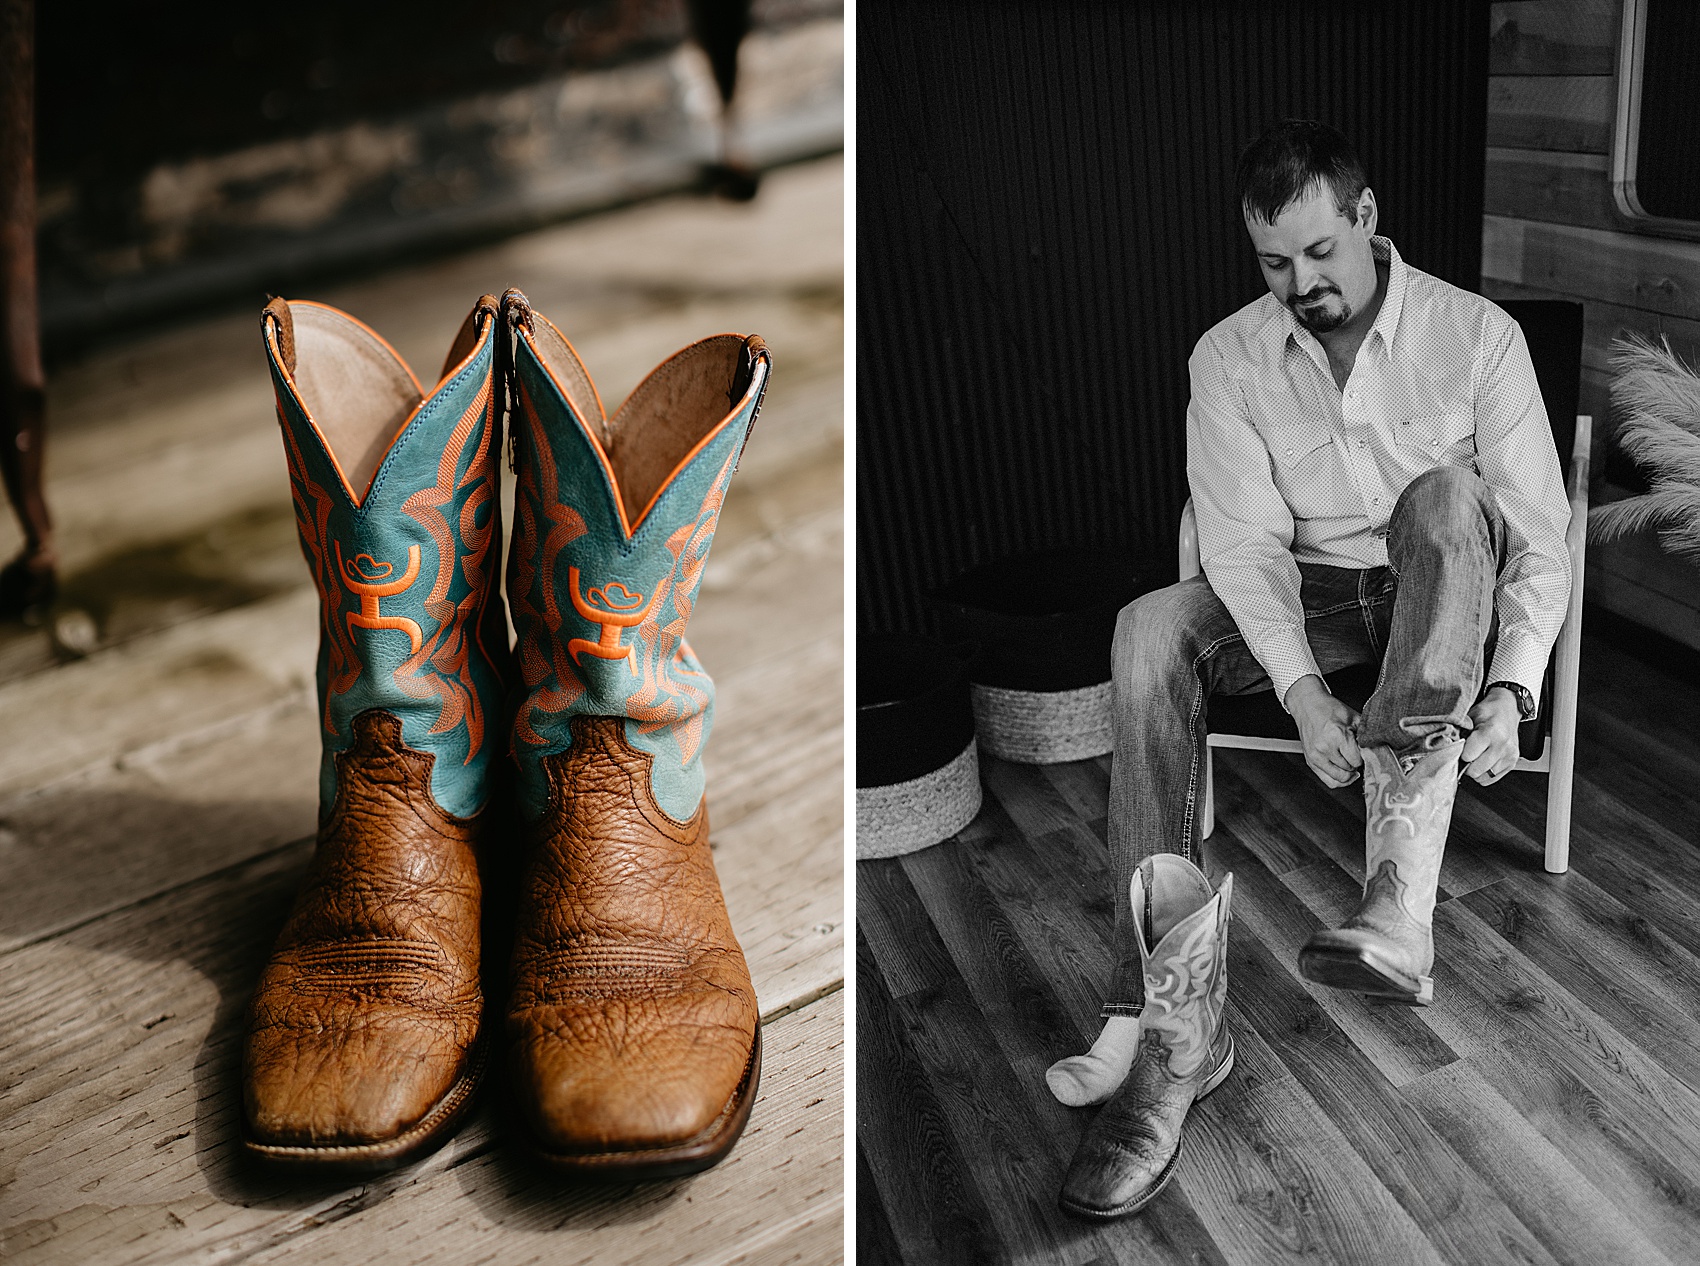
[(1550, 230)]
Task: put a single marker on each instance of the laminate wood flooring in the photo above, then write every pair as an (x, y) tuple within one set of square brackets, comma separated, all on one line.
[(1545, 1109)]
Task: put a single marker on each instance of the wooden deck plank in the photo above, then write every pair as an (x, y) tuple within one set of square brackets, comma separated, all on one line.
[(156, 798), (196, 398), (780, 1190), (121, 1047), (167, 812)]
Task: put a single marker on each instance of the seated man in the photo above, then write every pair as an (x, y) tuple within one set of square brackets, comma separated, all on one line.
[(1375, 482)]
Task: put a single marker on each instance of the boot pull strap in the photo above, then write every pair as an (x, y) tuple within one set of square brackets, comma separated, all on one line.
[(482, 311), (278, 310), (515, 314), (753, 351)]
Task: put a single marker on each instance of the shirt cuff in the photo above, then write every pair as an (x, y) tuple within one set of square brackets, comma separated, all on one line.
[(1287, 659), (1522, 660)]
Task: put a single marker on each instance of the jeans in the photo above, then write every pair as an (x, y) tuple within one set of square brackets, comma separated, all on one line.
[(1426, 619)]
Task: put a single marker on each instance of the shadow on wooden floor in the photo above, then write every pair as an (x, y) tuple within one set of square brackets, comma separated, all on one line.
[(1546, 1108)]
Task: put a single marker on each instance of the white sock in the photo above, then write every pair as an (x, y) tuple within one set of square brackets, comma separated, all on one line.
[(1095, 1076)]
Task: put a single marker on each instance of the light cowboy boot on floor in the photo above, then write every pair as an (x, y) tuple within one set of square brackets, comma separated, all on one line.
[(1130, 1150), (1386, 949), (1080, 1080), (364, 1045), (632, 1027)]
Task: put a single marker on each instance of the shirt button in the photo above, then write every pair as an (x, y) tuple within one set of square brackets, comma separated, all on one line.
[(1360, 443), (1289, 452)]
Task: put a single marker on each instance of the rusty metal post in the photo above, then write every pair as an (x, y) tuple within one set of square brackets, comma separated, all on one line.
[(719, 27), (27, 583)]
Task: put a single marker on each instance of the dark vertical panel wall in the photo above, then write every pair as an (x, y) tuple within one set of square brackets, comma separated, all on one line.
[(1046, 224)]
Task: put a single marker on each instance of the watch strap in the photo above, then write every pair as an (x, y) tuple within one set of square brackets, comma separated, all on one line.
[(1525, 701)]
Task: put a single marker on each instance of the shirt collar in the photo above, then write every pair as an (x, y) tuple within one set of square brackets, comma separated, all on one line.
[(1283, 327)]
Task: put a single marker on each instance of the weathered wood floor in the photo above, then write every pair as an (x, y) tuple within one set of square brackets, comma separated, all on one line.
[(157, 798), (1545, 1109)]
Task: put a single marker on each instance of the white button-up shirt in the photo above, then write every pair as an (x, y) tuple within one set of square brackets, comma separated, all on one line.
[(1286, 467)]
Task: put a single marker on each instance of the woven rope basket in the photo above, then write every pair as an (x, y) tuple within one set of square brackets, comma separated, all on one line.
[(907, 816), (1049, 727)]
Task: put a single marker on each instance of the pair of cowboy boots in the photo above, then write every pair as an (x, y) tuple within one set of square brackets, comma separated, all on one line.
[(570, 763), (1182, 1049)]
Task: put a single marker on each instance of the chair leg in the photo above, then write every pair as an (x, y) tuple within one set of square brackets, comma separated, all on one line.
[(1207, 815), (1559, 784)]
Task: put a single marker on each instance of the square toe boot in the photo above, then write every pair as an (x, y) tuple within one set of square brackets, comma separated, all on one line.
[(1386, 949), (632, 1031), (1129, 1152), (364, 1042)]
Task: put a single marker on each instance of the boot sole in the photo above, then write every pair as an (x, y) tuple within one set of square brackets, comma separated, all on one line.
[(691, 1156), (434, 1129), (1361, 968), (1130, 1207)]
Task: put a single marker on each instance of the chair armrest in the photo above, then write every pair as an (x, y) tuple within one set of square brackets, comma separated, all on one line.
[(1190, 566), (1576, 534)]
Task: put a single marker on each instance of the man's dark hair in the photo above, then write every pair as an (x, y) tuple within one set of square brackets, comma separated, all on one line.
[(1289, 159)]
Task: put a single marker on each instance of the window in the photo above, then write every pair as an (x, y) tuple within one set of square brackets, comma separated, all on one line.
[(1655, 176)]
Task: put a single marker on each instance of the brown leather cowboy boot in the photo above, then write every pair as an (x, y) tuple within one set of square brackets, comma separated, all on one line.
[(1130, 1150), (364, 1036), (632, 1027), (1386, 949)]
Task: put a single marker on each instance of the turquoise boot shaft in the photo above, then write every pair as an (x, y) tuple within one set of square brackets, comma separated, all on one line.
[(397, 500), (613, 522)]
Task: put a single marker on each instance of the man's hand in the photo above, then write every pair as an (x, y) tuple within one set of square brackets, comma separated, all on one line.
[(1325, 728), (1491, 750)]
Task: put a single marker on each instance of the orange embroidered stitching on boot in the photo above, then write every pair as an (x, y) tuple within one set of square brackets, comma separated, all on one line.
[(448, 650), (626, 615), (369, 588), (313, 522)]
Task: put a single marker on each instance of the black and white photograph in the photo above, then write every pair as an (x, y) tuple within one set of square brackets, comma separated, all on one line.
[(1278, 518)]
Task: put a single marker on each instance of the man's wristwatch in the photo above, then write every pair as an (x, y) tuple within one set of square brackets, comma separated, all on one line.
[(1525, 701)]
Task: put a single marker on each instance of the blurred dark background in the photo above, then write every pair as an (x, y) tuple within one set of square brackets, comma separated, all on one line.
[(190, 151), (1047, 224)]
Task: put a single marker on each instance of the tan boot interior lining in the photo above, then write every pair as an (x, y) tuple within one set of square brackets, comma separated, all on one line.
[(354, 387), (569, 373), (668, 414)]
